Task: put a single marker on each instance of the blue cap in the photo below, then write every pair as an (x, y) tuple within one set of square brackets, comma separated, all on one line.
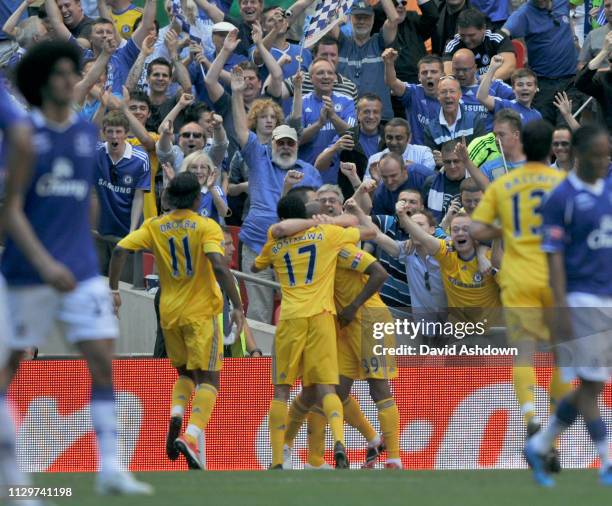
[(361, 7)]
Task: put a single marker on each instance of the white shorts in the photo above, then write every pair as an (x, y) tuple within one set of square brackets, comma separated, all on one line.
[(589, 355), (86, 313), (6, 331)]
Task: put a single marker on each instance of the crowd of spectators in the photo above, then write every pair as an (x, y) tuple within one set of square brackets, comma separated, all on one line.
[(411, 107)]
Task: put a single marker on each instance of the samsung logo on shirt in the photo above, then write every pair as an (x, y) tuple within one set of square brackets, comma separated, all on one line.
[(114, 188)]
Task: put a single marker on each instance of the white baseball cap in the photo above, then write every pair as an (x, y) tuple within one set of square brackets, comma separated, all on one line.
[(224, 27), (284, 132)]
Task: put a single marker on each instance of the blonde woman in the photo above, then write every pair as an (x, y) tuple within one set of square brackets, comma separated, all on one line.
[(213, 201)]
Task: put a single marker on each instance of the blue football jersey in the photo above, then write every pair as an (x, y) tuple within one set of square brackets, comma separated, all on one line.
[(57, 201), (577, 222)]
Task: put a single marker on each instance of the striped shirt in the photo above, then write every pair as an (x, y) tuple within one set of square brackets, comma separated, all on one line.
[(493, 43)]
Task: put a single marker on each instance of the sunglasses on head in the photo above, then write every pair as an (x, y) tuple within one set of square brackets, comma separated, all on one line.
[(448, 76), (193, 135)]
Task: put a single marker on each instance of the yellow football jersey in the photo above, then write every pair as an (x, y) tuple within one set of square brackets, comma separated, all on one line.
[(125, 20), (464, 285), (150, 203), (350, 277), (514, 199), (305, 266), (180, 241)]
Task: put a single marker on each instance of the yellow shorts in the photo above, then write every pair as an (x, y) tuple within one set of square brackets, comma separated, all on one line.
[(306, 348), (525, 311), (195, 345), (356, 342)]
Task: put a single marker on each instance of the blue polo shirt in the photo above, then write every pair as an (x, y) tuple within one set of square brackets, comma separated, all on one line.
[(384, 200), (311, 110), (265, 188), (494, 169), (364, 66), (471, 103), (116, 185), (549, 38), (207, 204), (420, 110), (528, 114)]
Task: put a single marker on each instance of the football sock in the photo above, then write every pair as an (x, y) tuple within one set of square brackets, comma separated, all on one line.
[(9, 471), (295, 419), (597, 430), (104, 420), (388, 415), (332, 407), (181, 393), (201, 409), (564, 416), (355, 418), (316, 437), (558, 389), (524, 381), (277, 421)]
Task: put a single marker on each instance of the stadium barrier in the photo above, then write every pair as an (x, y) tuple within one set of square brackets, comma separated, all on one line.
[(455, 414)]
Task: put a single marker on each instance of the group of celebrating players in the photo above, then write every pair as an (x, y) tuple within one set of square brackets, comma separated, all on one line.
[(556, 239)]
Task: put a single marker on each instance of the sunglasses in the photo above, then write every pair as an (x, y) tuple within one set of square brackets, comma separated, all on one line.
[(448, 76), (426, 279), (563, 144), (193, 135)]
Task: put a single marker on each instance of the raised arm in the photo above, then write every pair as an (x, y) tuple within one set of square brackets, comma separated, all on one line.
[(55, 18), (184, 101), (136, 127), (431, 244), (180, 72), (397, 87), (505, 71), (238, 112), (147, 23), (212, 11), (479, 178), (220, 143), (81, 89), (275, 86), (389, 28), (136, 71), (10, 26), (214, 88), (564, 105), (485, 83)]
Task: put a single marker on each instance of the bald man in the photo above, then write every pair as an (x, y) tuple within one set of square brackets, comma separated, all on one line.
[(455, 121), (465, 70)]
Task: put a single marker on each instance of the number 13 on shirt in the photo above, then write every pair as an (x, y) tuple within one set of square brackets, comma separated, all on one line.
[(522, 205), (311, 250)]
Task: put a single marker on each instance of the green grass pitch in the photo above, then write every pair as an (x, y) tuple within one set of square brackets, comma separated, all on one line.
[(339, 488)]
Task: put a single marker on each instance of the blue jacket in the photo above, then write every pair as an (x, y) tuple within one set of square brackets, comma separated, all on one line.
[(469, 125)]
